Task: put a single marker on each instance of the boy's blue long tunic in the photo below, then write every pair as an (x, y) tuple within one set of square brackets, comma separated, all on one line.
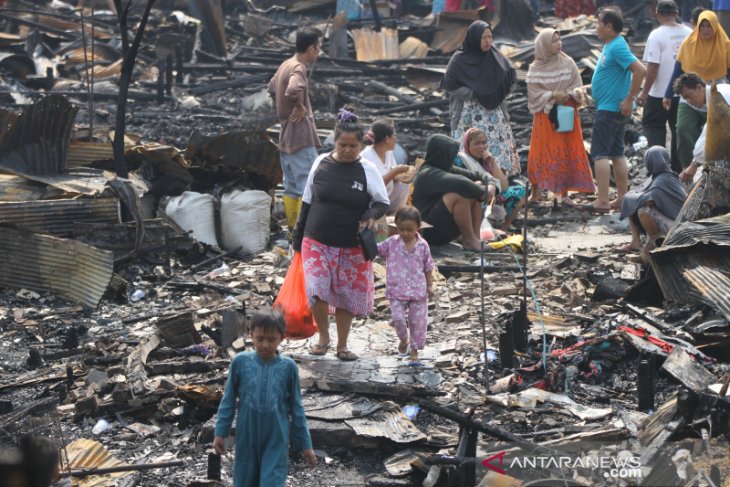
[(268, 394)]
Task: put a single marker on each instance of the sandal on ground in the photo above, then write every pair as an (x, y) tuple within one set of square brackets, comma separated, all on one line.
[(346, 355), (467, 250), (415, 363), (318, 349)]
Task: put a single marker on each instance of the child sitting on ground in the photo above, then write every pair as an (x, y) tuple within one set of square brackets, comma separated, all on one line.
[(267, 388), (409, 282)]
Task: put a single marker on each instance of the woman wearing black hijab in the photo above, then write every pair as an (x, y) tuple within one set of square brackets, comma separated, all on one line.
[(478, 79), (653, 206), (449, 197)]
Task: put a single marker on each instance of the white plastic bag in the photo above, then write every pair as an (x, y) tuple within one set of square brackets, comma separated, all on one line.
[(196, 212), (245, 219)]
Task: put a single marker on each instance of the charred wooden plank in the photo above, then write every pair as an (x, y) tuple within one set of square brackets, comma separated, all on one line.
[(178, 330), (229, 83), (186, 366)]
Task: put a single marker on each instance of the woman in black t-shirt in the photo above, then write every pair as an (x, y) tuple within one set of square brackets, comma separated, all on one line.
[(343, 194)]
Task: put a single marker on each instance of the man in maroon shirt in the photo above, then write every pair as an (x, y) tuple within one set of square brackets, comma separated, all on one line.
[(298, 139)]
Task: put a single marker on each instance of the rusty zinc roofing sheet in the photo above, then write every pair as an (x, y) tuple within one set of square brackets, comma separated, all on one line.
[(36, 141), (83, 153), (86, 454), (693, 264), (713, 285), (69, 268), (57, 217)]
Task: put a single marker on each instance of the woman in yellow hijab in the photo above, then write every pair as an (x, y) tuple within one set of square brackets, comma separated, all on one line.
[(706, 51)]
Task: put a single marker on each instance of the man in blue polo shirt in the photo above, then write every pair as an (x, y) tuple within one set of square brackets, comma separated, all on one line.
[(615, 85)]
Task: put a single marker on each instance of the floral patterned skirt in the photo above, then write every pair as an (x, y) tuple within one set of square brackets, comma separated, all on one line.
[(558, 161), (341, 277), (500, 141), (511, 197)]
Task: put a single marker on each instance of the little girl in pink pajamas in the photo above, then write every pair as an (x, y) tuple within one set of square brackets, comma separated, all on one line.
[(409, 282)]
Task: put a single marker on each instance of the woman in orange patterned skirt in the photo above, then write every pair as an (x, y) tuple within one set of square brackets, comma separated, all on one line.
[(557, 160)]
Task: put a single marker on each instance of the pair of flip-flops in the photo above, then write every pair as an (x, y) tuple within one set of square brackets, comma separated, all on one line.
[(344, 355), (406, 353)]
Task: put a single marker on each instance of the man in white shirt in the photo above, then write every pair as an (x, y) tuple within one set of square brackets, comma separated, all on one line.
[(659, 56), (698, 97)]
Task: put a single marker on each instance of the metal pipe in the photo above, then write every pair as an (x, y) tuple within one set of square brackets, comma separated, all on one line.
[(482, 317)]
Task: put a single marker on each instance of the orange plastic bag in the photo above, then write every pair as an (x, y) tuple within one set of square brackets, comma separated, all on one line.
[(292, 301)]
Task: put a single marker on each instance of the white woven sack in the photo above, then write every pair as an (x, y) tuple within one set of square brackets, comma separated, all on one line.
[(245, 217), (196, 212)]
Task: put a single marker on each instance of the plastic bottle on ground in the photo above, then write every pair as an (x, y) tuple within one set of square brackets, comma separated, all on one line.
[(101, 426), (137, 295)]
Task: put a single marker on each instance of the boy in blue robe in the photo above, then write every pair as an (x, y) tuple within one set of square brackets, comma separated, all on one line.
[(267, 388)]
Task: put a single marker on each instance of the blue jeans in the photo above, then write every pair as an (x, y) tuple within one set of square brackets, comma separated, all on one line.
[(296, 170)]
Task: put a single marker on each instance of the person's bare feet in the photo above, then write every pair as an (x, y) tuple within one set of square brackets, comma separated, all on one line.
[(472, 244), (413, 359), (403, 347), (597, 207), (630, 248), (615, 204)]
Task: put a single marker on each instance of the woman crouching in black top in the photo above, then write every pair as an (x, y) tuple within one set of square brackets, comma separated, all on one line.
[(343, 194)]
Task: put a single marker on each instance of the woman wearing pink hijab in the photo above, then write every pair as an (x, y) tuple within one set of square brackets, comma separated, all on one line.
[(557, 161)]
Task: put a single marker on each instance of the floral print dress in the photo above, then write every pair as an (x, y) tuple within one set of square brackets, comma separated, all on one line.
[(500, 141)]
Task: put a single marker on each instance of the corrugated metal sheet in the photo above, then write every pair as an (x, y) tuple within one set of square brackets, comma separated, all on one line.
[(389, 422), (107, 72), (413, 48), (713, 285), (452, 28), (102, 54), (36, 142), (253, 152), (690, 264), (375, 46), (16, 188), (61, 24), (83, 153), (68, 268), (85, 454), (57, 217), (82, 180)]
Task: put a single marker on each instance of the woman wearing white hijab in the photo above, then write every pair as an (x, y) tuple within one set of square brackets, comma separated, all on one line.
[(557, 160)]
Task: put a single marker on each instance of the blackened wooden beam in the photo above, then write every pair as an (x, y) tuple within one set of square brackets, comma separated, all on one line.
[(262, 68), (413, 107), (229, 83)]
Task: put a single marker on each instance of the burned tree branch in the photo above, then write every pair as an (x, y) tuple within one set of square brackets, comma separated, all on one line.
[(129, 55)]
